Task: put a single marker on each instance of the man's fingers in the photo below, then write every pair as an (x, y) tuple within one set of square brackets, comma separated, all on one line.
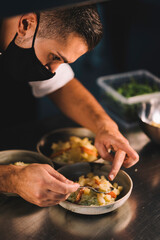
[(53, 199), (60, 187), (56, 196), (58, 184), (129, 162), (130, 151), (57, 175), (103, 151), (48, 203), (117, 163), (132, 156)]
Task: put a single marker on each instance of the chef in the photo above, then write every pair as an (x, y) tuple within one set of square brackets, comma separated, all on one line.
[(37, 49)]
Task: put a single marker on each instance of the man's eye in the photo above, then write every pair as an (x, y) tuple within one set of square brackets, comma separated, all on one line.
[(55, 58)]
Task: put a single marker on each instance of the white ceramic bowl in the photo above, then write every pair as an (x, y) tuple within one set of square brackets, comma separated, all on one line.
[(74, 171)]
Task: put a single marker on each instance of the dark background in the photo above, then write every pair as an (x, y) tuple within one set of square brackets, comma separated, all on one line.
[(131, 41)]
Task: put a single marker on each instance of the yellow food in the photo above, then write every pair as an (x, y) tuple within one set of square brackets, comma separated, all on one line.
[(21, 164), (86, 196), (74, 150)]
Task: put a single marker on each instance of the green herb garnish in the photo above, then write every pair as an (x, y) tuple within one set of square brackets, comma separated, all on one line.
[(133, 88)]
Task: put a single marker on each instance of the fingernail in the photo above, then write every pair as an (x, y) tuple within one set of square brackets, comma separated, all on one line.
[(69, 181), (111, 177), (77, 184), (136, 156)]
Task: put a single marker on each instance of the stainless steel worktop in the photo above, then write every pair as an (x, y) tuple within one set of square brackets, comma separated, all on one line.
[(137, 219)]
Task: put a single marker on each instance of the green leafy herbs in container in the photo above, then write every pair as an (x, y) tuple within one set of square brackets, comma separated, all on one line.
[(133, 88)]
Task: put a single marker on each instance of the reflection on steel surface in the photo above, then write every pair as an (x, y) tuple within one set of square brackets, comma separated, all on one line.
[(89, 226)]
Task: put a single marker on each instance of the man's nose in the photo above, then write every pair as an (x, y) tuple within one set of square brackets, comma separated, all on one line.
[(52, 67)]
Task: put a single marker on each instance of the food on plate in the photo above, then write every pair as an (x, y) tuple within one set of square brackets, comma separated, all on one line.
[(155, 124), (21, 164), (74, 150), (86, 196)]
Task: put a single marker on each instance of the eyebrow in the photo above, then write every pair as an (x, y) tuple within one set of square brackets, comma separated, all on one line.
[(64, 59)]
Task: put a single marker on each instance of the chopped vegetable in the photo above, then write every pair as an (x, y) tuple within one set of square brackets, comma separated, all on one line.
[(79, 195), (134, 88), (87, 197), (113, 195), (74, 150), (59, 152), (89, 151)]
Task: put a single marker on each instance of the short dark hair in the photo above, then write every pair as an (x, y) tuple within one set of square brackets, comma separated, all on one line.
[(83, 20)]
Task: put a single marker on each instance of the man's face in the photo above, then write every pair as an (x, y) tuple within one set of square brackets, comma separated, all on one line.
[(53, 52)]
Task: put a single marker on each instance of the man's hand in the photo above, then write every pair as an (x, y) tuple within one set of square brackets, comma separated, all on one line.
[(91, 115), (40, 184), (108, 138)]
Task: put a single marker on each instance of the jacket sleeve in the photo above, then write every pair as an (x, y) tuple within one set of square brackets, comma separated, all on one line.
[(64, 74)]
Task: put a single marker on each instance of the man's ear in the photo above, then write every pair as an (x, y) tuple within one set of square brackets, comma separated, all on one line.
[(27, 25)]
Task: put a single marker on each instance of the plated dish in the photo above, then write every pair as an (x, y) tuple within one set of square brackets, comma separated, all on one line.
[(68, 145), (106, 192), (74, 171)]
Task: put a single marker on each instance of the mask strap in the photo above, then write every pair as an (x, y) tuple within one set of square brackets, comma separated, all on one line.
[(38, 17), (15, 37)]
